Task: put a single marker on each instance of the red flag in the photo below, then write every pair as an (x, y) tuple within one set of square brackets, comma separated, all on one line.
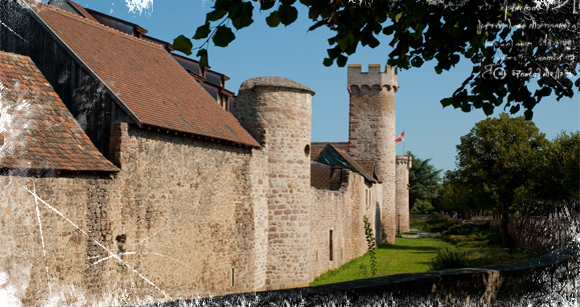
[(400, 138)]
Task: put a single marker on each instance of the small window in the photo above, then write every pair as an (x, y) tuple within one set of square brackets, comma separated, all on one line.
[(330, 246), (367, 199)]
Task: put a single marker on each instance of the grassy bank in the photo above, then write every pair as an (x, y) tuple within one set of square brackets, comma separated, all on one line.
[(410, 255), (405, 256)]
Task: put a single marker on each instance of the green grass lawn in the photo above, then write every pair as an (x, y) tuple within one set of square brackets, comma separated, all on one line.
[(409, 255)]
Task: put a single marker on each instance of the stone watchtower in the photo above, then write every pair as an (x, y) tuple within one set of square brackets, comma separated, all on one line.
[(277, 113), (372, 131), (404, 163)]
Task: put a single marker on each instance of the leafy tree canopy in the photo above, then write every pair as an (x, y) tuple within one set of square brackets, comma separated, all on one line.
[(499, 156), (424, 180), (556, 176), (515, 47)]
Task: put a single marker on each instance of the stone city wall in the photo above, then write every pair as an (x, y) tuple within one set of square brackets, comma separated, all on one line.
[(39, 262), (184, 217), (337, 228), (182, 214), (372, 131), (404, 163), (277, 112)]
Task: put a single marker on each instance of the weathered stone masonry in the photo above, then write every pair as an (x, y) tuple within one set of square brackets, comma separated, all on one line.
[(372, 131), (404, 163), (277, 112), (187, 217)]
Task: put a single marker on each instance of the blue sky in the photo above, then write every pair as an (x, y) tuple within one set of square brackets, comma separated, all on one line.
[(293, 52)]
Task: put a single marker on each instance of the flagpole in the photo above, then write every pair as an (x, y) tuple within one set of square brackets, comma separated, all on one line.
[(404, 142)]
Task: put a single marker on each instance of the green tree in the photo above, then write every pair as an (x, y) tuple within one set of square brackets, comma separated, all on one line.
[(556, 180), (424, 180), (422, 206), (498, 155), (506, 41), (457, 194)]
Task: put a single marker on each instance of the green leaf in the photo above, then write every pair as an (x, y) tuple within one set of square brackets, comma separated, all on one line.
[(528, 114), (223, 36), (224, 5), (465, 106), (373, 42), (389, 30), (288, 14), (341, 60), (273, 20), (417, 61), (488, 108), (243, 16), (216, 14), (202, 54), (327, 62), (398, 16), (266, 4), (545, 91), (183, 44), (515, 109), (202, 32), (346, 41), (446, 102)]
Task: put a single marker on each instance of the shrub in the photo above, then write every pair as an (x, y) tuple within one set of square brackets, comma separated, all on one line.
[(422, 206), (436, 226), (454, 239), (493, 237), (449, 258), (371, 246), (464, 229)]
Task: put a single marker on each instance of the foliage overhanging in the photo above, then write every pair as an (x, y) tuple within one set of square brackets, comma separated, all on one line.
[(510, 44)]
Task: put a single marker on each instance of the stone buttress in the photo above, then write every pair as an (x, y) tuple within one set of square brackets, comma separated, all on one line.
[(277, 113), (372, 132)]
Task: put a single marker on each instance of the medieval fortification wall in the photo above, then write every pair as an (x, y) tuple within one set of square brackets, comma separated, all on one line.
[(185, 217), (404, 163), (372, 131)]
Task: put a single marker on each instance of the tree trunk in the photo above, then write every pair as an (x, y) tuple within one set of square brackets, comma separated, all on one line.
[(506, 239)]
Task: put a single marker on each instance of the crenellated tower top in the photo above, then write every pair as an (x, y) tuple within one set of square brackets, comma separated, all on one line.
[(374, 77)]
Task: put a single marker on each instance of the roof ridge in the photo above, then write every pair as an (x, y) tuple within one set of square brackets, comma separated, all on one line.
[(13, 54), (97, 24)]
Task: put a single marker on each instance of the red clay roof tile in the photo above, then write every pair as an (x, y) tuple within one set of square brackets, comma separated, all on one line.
[(82, 10), (29, 139), (144, 77)]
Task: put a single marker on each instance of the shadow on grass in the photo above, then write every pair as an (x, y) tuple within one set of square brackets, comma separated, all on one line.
[(417, 249)]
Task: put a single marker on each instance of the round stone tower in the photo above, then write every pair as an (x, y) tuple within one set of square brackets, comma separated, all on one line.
[(277, 113), (404, 163), (372, 131)]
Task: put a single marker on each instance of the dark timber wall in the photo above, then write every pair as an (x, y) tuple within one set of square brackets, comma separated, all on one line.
[(88, 100)]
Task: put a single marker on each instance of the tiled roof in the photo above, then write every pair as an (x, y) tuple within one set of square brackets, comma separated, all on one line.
[(320, 176), (82, 10), (332, 156), (144, 77), (37, 129), (317, 147), (368, 166)]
